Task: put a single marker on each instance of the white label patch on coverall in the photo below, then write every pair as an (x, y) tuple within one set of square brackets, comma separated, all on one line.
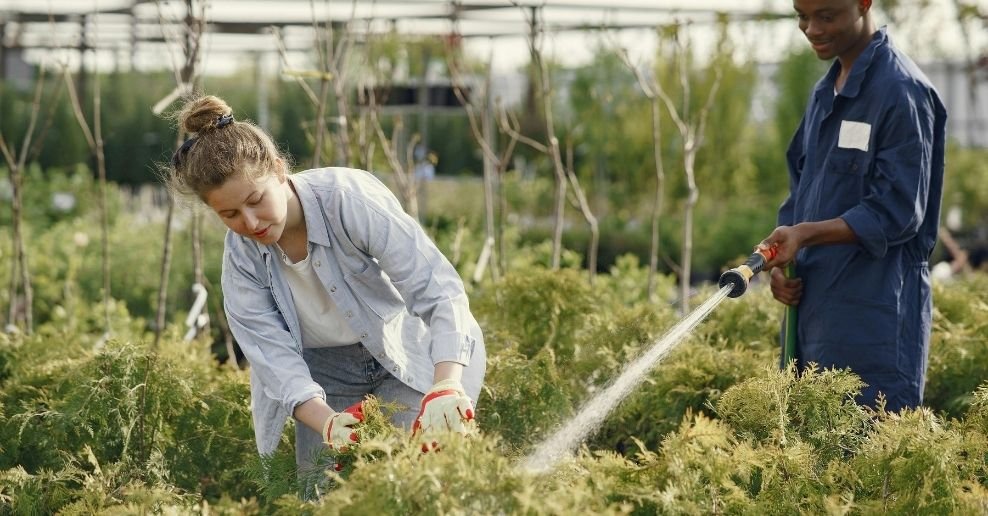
[(854, 135)]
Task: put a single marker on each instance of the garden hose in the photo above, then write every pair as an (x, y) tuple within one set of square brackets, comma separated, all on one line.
[(740, 275), (789, 328)]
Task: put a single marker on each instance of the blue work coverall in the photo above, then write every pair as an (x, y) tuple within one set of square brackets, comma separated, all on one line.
[(872, 155)]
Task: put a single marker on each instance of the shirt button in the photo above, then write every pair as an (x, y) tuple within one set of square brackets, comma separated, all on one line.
[(349, 314), (332, 289), (318, 263), (363, 335)]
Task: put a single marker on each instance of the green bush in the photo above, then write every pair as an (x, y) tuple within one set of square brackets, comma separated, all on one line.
[(91, 423), (537, 309), (523, 398), (958, 360), (92, 412)]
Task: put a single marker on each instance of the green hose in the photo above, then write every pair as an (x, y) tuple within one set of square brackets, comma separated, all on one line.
[(789, 329)]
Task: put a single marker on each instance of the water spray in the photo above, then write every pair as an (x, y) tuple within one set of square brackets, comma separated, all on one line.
[(733, 283)]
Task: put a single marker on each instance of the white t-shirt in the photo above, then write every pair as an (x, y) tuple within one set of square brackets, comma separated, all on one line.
[(321, 321)]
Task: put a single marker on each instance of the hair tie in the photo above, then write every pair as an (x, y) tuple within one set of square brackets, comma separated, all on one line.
[(182, 151), (224, 121)]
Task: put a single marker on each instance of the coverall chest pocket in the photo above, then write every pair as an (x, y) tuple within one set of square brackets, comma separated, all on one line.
[(845, 179)]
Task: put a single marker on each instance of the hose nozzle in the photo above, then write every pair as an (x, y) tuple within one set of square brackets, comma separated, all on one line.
[(739, 276)]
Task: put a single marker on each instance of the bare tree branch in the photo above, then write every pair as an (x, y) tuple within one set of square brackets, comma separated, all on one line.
[(584, 207), (80, 117), (20, 276), (494, 164), (297, 75), (405, 183), (650, 86), (510, 125), (6, 152), (185, 75)]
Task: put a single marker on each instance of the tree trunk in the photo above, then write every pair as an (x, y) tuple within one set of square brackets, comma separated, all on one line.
[(320, 123), (21, 267), (20, 276), (653, 254), (490, 173), (691, 198), (587, 214), (103, 208), (344, 124), (166, 263)]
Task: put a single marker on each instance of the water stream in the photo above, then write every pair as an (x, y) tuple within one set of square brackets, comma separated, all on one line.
[(593, 413)]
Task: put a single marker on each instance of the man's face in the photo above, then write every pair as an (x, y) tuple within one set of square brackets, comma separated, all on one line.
[(834, 27)]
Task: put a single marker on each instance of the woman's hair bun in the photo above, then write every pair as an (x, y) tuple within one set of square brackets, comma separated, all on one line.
[(201, 114)]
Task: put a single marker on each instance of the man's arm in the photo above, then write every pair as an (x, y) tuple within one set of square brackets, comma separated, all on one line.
[(791, 239)]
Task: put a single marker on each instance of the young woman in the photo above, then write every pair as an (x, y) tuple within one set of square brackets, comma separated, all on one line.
[(332, 291)]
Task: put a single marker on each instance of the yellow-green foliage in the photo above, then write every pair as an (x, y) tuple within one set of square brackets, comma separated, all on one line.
[(689, 379), (959, 344), (97, 418), (522, 398), (913, 464), (539, 308), (95, 425)]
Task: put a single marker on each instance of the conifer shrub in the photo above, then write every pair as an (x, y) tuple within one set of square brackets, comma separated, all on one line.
[(958, 360), (613, 341), (468, 476), (816, 407), (111, 426), (522, 399), (626, 284), (690, 379), (538, 308), (88, 413), (753, 320), (699, 469), (912, 463), (977, 415)]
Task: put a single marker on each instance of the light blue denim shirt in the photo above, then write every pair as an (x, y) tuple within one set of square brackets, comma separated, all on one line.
[(391, 283)]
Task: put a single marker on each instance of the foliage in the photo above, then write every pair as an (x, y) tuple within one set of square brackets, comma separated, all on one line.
[(523, 398), (66, 265), (958, 360), (539, 309), (110, 426), (911, 463), (112, 422)]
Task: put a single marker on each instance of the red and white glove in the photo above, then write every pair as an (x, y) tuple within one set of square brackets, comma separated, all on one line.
[(339, 428), (445, 408)]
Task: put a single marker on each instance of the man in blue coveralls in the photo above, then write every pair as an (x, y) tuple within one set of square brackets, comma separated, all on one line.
[(866, 175)]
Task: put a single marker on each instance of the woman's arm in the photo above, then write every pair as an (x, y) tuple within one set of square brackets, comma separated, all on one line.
[(447, 371), (314, 413)]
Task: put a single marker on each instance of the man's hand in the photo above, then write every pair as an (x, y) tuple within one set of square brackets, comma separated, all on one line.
[(338, 431), (785, 290), (788, 240), (445, 407)]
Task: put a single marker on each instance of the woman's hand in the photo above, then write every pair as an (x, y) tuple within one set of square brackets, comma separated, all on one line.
[(445, 408), (339, 429)]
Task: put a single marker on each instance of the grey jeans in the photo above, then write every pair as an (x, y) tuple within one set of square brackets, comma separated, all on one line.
[(348, 374)]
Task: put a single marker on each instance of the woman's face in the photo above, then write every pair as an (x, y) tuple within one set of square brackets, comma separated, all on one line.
[(256, 209)]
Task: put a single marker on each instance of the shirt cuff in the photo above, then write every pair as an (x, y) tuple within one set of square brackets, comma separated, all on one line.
[(452, 347), (867, 228), (300, 395)]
